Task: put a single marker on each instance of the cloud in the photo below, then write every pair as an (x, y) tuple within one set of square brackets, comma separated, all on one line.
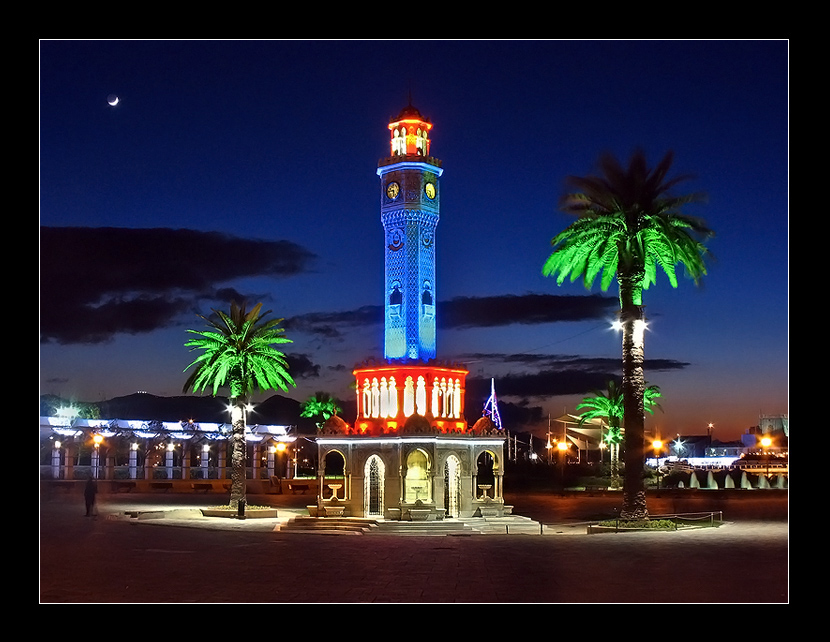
[(524, 309), (533, 379), (301, 367), (467, 312), (334, 325), (96, 283)]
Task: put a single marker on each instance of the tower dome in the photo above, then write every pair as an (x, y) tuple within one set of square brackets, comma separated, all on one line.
[(484, 426), (417, 425), (410, 112), (334, 425)]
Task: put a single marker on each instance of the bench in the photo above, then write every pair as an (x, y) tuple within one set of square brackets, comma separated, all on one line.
[(295, 487), (205, 486), (66, 486), (124, 486), (161, 485)]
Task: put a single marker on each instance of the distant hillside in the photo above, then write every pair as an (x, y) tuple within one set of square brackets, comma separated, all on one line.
[(275, 410)]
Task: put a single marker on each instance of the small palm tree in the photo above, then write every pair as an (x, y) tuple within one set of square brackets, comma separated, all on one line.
[(629, 224), (322, 405), (608, 405), (238, 352)]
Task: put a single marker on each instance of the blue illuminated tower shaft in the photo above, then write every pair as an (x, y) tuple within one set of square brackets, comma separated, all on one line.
[(409, 213)]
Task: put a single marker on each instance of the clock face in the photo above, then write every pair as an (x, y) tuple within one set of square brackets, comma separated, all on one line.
[(392, 190), (430, 190)]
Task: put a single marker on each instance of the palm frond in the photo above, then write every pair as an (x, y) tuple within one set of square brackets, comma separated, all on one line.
[(237, 351)]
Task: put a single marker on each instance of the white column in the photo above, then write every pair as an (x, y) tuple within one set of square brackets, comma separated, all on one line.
[(205, 460), (168, 460), (95, 461), (271, 452), (133, 460), (56, 460)]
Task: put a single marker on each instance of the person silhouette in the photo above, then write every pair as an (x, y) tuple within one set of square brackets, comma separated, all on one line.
[(90, 490)]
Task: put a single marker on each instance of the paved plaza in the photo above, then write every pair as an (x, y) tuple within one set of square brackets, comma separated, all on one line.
[(185, 558)]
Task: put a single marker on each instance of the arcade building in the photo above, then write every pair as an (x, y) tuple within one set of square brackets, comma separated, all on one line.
[(410, 453)]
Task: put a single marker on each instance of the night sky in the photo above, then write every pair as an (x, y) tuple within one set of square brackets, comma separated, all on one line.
[(248, 170)]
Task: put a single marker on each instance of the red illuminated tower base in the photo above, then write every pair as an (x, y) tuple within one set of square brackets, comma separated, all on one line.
[(390, 398)]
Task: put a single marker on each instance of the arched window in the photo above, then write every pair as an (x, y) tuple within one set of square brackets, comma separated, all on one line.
[(398, 143), (366, 399), (408, 397), (373, 475), (393, 399), (452, 486), (375, 399), (418, 482), (384, 398), (421, 397), (396, 297)]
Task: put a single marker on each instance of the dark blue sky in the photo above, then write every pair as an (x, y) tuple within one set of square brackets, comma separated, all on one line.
[(249, 168)]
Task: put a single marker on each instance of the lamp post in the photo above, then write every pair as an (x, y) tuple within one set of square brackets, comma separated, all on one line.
[(97, 440), (280, 449), (562, 447), (657, 444), (549, 448), (766, 442)]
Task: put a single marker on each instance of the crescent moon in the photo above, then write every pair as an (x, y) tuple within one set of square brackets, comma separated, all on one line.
[(112, 100)]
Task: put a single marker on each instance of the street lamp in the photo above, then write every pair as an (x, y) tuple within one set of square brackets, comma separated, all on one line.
[(562, 447), (97, 440), (548, 447), (766, 442), (657, 444)]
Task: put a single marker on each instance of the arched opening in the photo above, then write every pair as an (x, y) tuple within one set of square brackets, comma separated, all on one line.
[(485, 473), (452, 486), (396, 296), (417, 482), (334, 472), (373, 475)]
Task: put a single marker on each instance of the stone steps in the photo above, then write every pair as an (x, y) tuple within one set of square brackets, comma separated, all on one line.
[(508, 525), (328, 525), (442, 528)]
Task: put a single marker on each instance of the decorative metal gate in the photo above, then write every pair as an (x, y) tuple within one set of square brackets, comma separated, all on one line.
[(452, 486), (374, 475)]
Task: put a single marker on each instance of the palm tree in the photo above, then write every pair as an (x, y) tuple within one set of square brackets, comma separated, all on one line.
[(238, 352), (608, 405), (320, 404), (628, 224)]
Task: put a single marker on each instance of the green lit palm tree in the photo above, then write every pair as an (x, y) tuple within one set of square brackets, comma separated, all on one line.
[(608, 405), (629, 224), (238, 353), (322, 405)]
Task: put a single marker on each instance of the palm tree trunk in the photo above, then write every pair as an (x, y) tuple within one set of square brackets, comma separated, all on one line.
[(633, 386), (238, 451)]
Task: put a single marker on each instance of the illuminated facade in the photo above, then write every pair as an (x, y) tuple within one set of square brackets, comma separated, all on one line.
[(410, 453)]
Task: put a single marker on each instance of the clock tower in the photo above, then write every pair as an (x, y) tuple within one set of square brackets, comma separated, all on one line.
[(410, 454), (410, 197)]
